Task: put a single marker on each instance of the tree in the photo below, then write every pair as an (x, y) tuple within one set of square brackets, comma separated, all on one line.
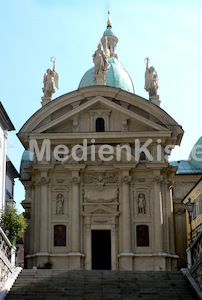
[(12, 223)]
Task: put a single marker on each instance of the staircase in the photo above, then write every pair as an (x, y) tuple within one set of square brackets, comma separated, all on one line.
[(78, 285)]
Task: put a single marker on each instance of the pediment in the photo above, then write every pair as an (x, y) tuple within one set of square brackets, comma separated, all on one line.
[(101, 210), (61, 116), (98, 104)]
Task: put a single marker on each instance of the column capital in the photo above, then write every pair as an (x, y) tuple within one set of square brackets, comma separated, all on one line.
[(126, 179), (44, 180), (76, 180), (157, 179)]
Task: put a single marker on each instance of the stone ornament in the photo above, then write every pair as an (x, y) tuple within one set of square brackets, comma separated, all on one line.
[(170, 184), (100, 211), (126, 179), (50, 81), (60, 204), (158, 179), (44, 180), (125, 125), (60, 180), (27, 214), (75, 180), (100, 200), (141, 204), (100, 178), (151, 79)]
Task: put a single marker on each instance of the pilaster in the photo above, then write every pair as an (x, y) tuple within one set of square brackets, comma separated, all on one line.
[(126, 257), (158, 213), (44, 228)]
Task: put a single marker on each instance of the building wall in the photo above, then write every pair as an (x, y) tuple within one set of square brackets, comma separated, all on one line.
[(195, 196), (182, 185), (3, 142), (9, 187)]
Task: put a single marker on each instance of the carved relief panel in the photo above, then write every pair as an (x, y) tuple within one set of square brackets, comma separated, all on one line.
[(100, 197)]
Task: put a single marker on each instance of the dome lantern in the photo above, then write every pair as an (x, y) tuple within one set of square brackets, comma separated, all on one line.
[(109, 40), (116, 75)]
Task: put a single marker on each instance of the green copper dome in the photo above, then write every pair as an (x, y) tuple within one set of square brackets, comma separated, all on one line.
[(116, 76), (195, 157), (108, 31), (26, 162)]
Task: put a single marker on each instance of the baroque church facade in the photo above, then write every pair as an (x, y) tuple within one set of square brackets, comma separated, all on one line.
[(94, 213)]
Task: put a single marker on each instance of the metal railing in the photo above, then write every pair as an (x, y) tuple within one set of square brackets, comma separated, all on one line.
[(194, 260), (7, 257)]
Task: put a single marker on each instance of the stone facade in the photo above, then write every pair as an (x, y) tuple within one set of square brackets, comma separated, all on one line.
[(67, 201)]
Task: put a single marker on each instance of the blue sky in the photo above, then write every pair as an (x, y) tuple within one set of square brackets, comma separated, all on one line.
[(169, 32)]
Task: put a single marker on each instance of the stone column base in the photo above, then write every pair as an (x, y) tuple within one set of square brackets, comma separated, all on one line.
[(126, 261), (75, 260)]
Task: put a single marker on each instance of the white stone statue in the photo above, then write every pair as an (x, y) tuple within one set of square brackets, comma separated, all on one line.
[(141, 204), (151, 79), (100, 61), (60, 204), (50, 81)]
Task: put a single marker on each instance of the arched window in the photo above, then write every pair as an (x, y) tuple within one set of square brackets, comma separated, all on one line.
[(142, 235), (59, 235), (100, 125)]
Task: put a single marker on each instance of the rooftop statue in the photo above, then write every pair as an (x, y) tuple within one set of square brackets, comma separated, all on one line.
[(100, 61), (50, 81), (151, 79)]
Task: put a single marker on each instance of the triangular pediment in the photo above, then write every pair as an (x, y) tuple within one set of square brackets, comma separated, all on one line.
[(128, 112), (98, 103), (101, 210)]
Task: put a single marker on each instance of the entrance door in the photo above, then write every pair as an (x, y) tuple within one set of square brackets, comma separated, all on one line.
[(101, 249)]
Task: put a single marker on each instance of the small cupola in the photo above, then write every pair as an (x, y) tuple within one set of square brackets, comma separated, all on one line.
[(109, 40)]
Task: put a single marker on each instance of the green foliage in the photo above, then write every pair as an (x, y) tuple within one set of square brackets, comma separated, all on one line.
[(12, 223), (46, 265)]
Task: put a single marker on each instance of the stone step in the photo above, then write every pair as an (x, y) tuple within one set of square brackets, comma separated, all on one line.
[(62, 284)]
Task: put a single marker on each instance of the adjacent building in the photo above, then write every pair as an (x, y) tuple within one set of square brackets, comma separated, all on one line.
[(11, 175), (188, 174), (5, 126)]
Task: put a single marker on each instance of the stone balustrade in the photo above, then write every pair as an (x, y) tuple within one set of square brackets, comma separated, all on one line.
[(7, 257)]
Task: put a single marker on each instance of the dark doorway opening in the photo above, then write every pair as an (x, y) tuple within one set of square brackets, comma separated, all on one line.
[(101, 249)]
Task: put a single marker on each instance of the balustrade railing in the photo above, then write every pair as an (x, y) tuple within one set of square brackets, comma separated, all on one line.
[(7, 257)]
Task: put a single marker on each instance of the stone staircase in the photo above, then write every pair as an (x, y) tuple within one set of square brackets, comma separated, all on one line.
[(62, 284)]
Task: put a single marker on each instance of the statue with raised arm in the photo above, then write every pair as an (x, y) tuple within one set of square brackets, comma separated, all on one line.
[(50, 81), (141, 204), (100, 61), (151, 79)]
